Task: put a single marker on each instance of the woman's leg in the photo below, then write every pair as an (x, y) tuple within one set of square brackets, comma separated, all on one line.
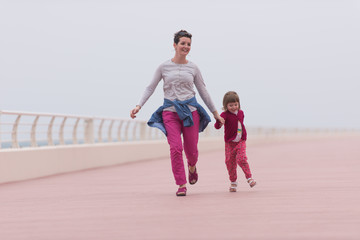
[(191, 138), (230, 160), (241, 158), (173, 126)]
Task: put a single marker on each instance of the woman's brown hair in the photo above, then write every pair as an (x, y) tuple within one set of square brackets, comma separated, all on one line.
[(180, 34)]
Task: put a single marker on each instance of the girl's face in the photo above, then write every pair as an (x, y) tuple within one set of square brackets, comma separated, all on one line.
[(233, 106), (183, 47)]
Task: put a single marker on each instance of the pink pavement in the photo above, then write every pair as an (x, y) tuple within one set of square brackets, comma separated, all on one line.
[(307, 189)]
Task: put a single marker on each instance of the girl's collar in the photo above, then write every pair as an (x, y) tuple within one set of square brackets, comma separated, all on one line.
[(235, 113)]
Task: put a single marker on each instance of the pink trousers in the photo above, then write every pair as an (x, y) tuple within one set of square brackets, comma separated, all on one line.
[(174, 127), (235, 154)]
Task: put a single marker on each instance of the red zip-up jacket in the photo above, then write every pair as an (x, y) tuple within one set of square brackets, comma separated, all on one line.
[(231, 125)]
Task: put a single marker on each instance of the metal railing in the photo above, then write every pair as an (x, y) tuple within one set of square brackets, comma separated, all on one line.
[(29, 129)]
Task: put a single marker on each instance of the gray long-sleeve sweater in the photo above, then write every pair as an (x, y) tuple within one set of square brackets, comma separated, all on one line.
[(179, 81)]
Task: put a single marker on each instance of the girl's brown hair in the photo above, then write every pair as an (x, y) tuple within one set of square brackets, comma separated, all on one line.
[(230, 97)]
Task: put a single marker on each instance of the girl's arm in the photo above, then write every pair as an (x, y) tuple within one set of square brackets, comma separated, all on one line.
[(218, 124)]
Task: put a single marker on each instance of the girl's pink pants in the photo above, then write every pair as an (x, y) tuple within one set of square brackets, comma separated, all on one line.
[(174, 127), (235, 154)]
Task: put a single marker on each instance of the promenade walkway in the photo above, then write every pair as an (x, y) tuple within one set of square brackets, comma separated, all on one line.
[(306, 190)]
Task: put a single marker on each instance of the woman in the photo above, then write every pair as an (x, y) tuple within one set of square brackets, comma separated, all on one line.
[(180, 114)]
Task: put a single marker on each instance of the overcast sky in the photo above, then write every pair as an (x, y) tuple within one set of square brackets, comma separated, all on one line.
[(293, 63)]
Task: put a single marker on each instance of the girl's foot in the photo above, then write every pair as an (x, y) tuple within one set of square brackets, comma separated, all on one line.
[(251, 182), (233, 187), (181, 191), (193, 176)]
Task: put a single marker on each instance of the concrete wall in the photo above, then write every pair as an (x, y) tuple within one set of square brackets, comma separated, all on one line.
[(28, 163)]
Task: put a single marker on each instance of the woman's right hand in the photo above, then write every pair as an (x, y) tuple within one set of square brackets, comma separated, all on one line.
[(218, 118), (134, 111)]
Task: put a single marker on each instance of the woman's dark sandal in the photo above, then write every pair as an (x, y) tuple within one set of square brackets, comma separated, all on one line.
[(181, 192), (193, 177)]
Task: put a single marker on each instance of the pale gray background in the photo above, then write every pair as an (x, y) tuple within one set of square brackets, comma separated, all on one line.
[(293, 63)]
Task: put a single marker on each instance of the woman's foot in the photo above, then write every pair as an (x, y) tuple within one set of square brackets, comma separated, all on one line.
[(181, 191), (251, 182), (233, 187), (193, 176)]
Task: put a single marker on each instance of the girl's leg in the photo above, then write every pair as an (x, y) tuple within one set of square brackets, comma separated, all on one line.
[(191, 138), (241, 158), (230, 161), (173, 125)]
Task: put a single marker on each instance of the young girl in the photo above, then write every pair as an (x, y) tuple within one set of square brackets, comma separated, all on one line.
[(235, 139)]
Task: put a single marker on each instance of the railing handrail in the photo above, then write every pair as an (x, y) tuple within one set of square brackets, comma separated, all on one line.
[(91, 135), (115, 129), (62, 115)]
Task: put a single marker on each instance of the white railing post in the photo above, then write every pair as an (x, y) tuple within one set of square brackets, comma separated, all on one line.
[(135, 129), (126, 130), (49, 132), (143, 133), (15, 143), (110, 130), (100, 130), (89, 130), (148, 132), (33, 132), (74, 135), (119, 131), (61, 133)]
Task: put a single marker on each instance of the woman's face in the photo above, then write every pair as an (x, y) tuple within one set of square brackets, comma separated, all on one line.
[(183, 47)]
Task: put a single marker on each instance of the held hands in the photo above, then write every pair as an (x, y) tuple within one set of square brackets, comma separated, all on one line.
[(134, 111), (218, 118)]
